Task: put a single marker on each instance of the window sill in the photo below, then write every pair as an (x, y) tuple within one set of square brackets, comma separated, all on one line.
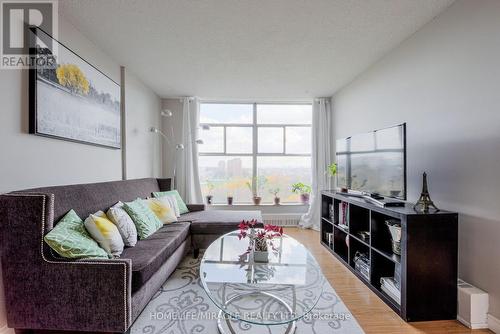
[(264, 204), (288, 208)]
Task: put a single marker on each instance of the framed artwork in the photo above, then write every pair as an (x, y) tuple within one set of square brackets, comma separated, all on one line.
[(69, 98)]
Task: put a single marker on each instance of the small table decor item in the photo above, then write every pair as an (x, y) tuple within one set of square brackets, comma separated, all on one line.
[(395, 230), (260, 239), (424, 203), (329, 239), (362, 264)]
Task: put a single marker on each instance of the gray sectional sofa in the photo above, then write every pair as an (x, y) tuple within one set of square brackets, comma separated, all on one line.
[(46, 293)]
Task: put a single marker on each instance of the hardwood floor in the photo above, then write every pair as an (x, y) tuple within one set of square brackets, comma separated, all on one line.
[(371, 313)]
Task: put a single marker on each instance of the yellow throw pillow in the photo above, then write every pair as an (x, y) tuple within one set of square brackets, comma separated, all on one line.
[(164, 212), (105, 233)]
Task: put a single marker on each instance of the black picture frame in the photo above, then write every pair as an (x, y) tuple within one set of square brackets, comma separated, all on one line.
[(88, 112)]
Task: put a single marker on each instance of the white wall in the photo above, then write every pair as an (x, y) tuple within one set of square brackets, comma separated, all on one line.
[(444, 82), (144, 149), (28, 161)]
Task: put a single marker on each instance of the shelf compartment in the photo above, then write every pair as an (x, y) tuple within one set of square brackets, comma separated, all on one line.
[(357, 246), (339, 244), (359, 221), (380, 236), (381, 266), (342, 210), (326, 201), (326, 230)]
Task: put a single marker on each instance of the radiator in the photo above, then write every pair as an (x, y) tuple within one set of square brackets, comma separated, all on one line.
[(282, 219), (472, 306)]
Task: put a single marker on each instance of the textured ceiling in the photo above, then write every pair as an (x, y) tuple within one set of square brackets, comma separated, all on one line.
[(242, 49)]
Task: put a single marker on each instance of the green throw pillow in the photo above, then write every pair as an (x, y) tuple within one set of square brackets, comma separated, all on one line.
[(182, 206), (70, 239), (144, 219)]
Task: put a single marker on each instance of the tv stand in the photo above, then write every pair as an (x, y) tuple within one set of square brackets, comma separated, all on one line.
[(427, 265)]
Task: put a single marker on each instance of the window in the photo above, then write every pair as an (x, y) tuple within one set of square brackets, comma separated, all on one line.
[(254, 145)]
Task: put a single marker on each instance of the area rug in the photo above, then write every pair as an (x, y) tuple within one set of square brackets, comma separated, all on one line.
[(181, 306)]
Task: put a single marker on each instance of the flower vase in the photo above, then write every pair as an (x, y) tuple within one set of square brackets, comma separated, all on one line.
[(260, 251), (259, 256)]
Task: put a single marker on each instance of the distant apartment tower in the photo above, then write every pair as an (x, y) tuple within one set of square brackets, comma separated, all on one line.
[(234, 167)]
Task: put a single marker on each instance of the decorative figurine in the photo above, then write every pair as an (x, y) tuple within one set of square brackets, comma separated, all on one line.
[(424, 203)]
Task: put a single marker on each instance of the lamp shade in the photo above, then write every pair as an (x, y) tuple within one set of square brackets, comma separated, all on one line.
[(166, 113)]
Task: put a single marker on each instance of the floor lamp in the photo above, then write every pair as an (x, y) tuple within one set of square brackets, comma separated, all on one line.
[(177, 147)]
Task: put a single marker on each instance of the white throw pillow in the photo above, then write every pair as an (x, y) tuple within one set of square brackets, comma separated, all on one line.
[(124, 223), (105, 233), (162, 210), (171, 201)]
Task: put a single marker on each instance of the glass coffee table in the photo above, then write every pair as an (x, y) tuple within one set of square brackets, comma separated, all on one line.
[(279, 292)]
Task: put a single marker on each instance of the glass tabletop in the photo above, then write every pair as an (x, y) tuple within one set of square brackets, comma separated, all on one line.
[(280, 291)]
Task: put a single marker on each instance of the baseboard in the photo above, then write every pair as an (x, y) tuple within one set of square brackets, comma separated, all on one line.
[(463, 321), (494, 324)]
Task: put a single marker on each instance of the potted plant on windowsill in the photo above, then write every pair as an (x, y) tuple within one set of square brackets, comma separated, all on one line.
[(260, 239), (303, 190), (210, 188), (259, 183), (231, 186), (275, 192)]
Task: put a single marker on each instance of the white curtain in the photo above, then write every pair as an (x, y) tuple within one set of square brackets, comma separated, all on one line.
[(188, 181), (321, 158)]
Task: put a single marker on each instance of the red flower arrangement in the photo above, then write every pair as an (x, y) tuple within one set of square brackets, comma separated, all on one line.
[(259, 238)]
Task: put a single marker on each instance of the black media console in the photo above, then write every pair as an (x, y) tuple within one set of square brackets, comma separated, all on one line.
[(428, 261)]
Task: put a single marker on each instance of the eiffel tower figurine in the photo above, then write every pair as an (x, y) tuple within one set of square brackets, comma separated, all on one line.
[(424, 202)]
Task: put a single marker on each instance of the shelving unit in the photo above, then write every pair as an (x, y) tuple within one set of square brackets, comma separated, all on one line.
[(428, 260)]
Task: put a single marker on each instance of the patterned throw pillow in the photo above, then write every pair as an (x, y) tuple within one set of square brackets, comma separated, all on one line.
[(105, 233), (70, 239), (170, 201), (182, 206), (124, 223), (162, 210), (144, 219)]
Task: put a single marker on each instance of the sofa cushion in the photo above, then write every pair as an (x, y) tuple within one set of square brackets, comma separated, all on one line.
[(124, 223), (175, 194), (71, 240), (218, 221), (105, 233), (161, 209), (149, 254), (144, 219)]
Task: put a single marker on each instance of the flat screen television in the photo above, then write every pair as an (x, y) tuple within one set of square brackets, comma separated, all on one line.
[(374, 162)]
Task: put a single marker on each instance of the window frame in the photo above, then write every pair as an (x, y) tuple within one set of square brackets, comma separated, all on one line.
[(255, 126)]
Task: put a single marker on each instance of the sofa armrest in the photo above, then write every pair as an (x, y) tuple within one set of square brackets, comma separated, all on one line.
[(196, 207), (72, 293), (47, 293)]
